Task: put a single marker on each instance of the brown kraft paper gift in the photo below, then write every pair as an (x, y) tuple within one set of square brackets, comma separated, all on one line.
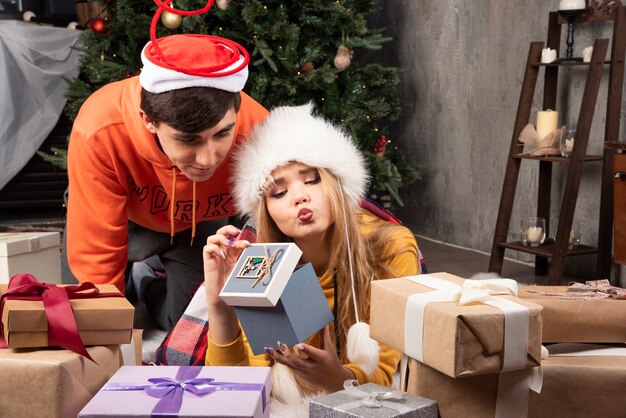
[(573, 387), (457, 340), (575, 320), (53, 383), (100, 321)]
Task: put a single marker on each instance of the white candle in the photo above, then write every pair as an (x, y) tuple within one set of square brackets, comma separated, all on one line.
[(572, 4), (587, 54), (548, 55), (534, 234), (569, 145), (547, 121)]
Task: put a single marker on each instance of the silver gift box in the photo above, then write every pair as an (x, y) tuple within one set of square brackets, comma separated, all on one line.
[(344, 404)]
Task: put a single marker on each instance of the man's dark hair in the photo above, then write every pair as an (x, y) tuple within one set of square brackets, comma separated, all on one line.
[(192, 109)]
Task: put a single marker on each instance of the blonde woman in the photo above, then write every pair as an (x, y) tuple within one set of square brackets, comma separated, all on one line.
[(299, 178)]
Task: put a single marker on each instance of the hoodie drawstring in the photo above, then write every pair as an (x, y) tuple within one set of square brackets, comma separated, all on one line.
[(193, 215), (173, 204)]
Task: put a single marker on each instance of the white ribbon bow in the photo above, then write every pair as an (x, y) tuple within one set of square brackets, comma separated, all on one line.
[(482, 290)]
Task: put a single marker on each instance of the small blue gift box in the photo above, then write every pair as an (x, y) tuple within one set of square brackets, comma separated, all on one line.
[(301, 311), (261, 274)]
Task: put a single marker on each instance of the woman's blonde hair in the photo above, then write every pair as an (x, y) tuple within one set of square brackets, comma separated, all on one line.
[(366, 252)]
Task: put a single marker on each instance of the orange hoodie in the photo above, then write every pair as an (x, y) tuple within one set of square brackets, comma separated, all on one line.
[(117, 173)]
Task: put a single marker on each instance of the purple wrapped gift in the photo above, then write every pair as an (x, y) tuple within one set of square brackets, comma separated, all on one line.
[(187, 391)]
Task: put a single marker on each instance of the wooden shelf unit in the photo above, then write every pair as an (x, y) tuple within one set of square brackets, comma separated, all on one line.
[(550, 257)]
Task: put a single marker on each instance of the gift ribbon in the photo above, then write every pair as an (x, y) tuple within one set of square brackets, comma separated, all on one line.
[(170, 391), (266, 269), (387, 399), (62, 329), (592, 289)]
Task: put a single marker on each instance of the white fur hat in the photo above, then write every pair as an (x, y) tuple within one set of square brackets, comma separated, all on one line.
[(291, 134)]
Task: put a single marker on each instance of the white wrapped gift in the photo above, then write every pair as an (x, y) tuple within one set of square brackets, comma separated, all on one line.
[(36, 253)]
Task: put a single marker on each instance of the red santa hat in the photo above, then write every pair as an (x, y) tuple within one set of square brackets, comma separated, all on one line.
[(189, 60)]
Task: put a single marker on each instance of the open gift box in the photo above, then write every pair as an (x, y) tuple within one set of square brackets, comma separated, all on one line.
[(275, 299), (422, 317), (186, 391)]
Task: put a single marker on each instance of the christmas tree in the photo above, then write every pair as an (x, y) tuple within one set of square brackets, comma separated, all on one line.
[(300, 51)]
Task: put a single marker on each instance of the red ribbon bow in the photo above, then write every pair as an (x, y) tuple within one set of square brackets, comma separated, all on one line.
[(62, 329)]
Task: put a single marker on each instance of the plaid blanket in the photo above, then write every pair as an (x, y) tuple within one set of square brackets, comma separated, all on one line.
[(186, 343)]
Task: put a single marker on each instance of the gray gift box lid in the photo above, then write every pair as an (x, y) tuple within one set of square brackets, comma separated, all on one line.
[(301, 311), (342, 405)]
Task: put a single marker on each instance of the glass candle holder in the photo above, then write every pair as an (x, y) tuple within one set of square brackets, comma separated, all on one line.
[(533, 231), (566, 143), (574, 238)]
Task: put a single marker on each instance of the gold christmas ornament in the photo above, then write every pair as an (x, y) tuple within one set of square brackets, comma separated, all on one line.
[(171, 20), (222, 4), (343, 57)]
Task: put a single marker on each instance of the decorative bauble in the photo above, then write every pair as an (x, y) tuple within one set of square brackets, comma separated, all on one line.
[(343, 57), (307, 67), (222, 4), (171, 20), (98, 25)]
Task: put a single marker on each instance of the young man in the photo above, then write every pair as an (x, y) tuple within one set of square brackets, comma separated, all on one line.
[(149, 167)]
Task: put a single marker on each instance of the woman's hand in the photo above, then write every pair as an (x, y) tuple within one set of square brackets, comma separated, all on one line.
[(220, 254), (319, 367)]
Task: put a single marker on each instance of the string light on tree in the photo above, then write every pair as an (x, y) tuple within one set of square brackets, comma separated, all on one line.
[(171, 20)]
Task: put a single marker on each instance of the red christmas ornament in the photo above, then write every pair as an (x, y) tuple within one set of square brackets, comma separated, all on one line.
[(98, 25)]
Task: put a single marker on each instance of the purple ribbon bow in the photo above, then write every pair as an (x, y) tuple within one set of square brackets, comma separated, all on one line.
[(170, 391)]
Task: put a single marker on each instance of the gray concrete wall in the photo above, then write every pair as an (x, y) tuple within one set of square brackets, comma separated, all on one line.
[(464, 63)]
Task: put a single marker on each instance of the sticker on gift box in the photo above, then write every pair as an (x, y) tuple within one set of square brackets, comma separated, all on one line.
[(261, 274)]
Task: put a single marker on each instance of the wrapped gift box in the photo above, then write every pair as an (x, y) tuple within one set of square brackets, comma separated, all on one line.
[(348, 403), (301, 311), (100, 321), (574, 320), (457, 340), (573, 386), (53, 383), (248, 286), (245, 394), (36, 253)]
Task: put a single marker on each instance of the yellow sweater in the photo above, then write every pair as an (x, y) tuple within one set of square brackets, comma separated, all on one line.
[(238, 352)]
